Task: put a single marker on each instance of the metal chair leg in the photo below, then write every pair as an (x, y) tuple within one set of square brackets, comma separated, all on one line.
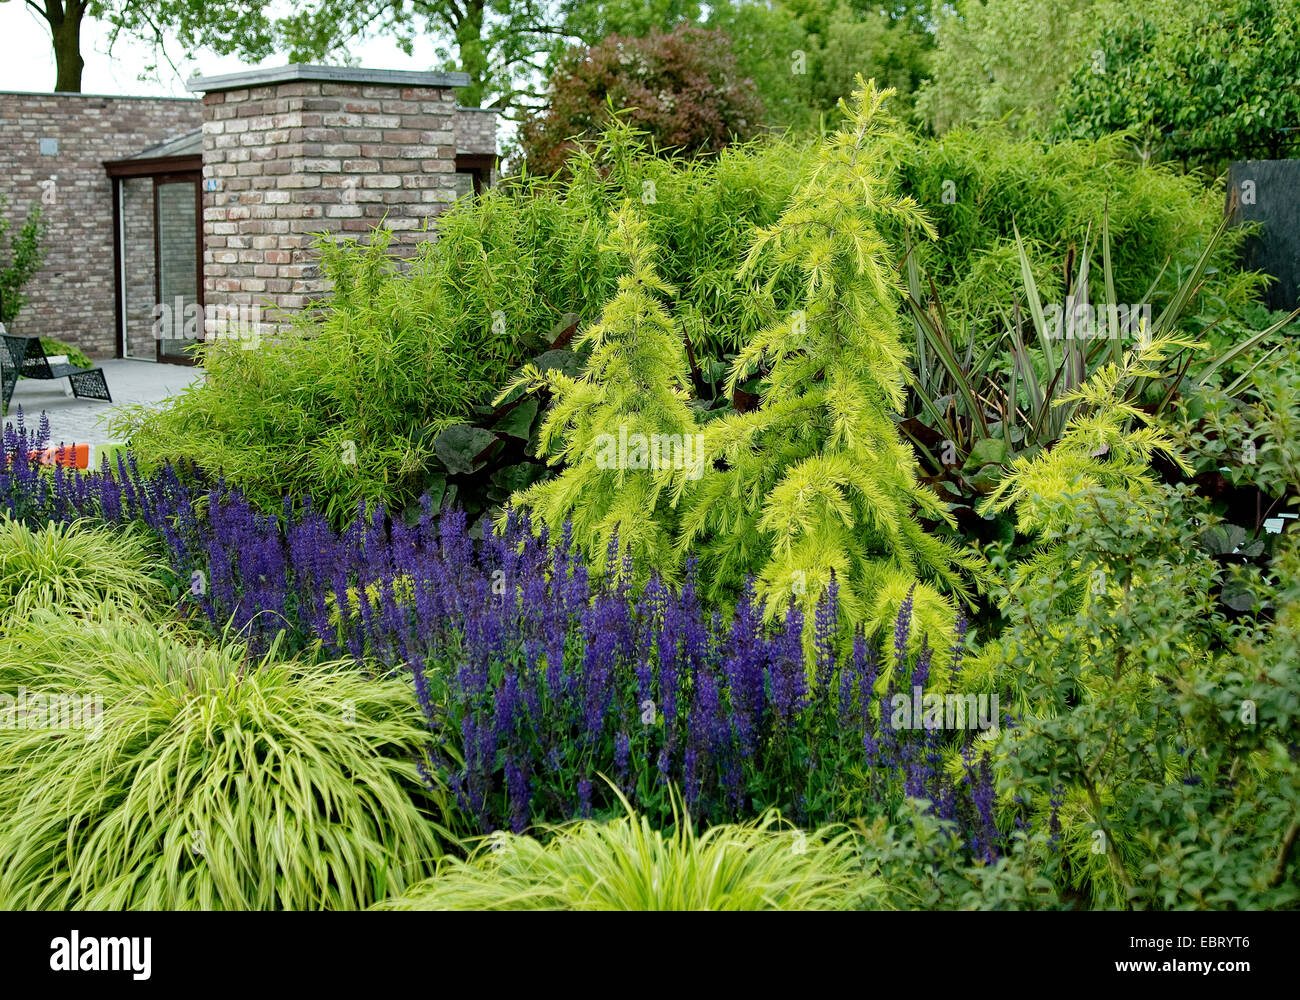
[(10, 381), (93, 382)]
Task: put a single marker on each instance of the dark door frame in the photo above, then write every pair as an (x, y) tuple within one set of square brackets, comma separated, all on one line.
[(163, 170), (178, 177), (479, 166)]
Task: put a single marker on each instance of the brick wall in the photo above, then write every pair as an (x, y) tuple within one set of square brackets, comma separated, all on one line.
[(476, 130), (290, 158), (287, 154), (72, 296)]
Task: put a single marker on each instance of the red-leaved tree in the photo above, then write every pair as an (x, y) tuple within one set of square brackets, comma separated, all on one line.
[(681, 87)]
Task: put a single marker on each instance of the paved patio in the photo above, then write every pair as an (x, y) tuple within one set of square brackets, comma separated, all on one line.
[(82, 421)]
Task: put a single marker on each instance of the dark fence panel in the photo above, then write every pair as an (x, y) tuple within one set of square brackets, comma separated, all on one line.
[(1268, 191)]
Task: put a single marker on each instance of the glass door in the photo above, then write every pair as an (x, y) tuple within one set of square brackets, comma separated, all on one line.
[(179, 312)]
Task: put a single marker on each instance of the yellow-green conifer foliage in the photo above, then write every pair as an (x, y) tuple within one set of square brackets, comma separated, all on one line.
[(623, 428), (814, 481), (1108, 444), (817, 478)]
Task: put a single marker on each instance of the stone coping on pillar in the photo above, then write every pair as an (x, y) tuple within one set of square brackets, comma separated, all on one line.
[(330, 74)]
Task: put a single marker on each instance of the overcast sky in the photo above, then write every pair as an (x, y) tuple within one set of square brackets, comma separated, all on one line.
[(27, 58)]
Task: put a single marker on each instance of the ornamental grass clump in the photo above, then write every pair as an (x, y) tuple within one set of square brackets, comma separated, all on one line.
[(628, 863), (75, 567), (202, 777)]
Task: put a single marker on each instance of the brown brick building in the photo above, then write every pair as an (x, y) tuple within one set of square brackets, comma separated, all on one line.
[(166, 213), (52, 153)]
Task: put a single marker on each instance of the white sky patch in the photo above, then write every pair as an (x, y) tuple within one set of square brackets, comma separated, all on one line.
[(27, 58)]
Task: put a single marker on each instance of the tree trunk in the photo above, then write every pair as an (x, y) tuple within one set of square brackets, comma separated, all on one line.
[(65, 28)]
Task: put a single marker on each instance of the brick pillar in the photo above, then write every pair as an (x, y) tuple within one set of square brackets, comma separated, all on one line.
[(300, 150)]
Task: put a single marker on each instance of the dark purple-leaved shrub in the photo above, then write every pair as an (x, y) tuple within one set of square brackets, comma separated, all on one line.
[(682, 88)]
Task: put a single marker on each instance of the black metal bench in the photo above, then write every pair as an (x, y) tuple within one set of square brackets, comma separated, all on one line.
[(24, 357)]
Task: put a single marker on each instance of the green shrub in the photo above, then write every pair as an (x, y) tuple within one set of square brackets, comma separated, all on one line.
[(980, 185), (1148, 764), (626, 864), (1243, 438), (1004, 59), (74, 567), (76, 357), (1203, 82), (201, 778), (1160, 756), (350, 405), (22, 257), (1154, 700), (920, 862)]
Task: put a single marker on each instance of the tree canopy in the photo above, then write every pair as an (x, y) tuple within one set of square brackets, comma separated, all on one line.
[(1204, 82)]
